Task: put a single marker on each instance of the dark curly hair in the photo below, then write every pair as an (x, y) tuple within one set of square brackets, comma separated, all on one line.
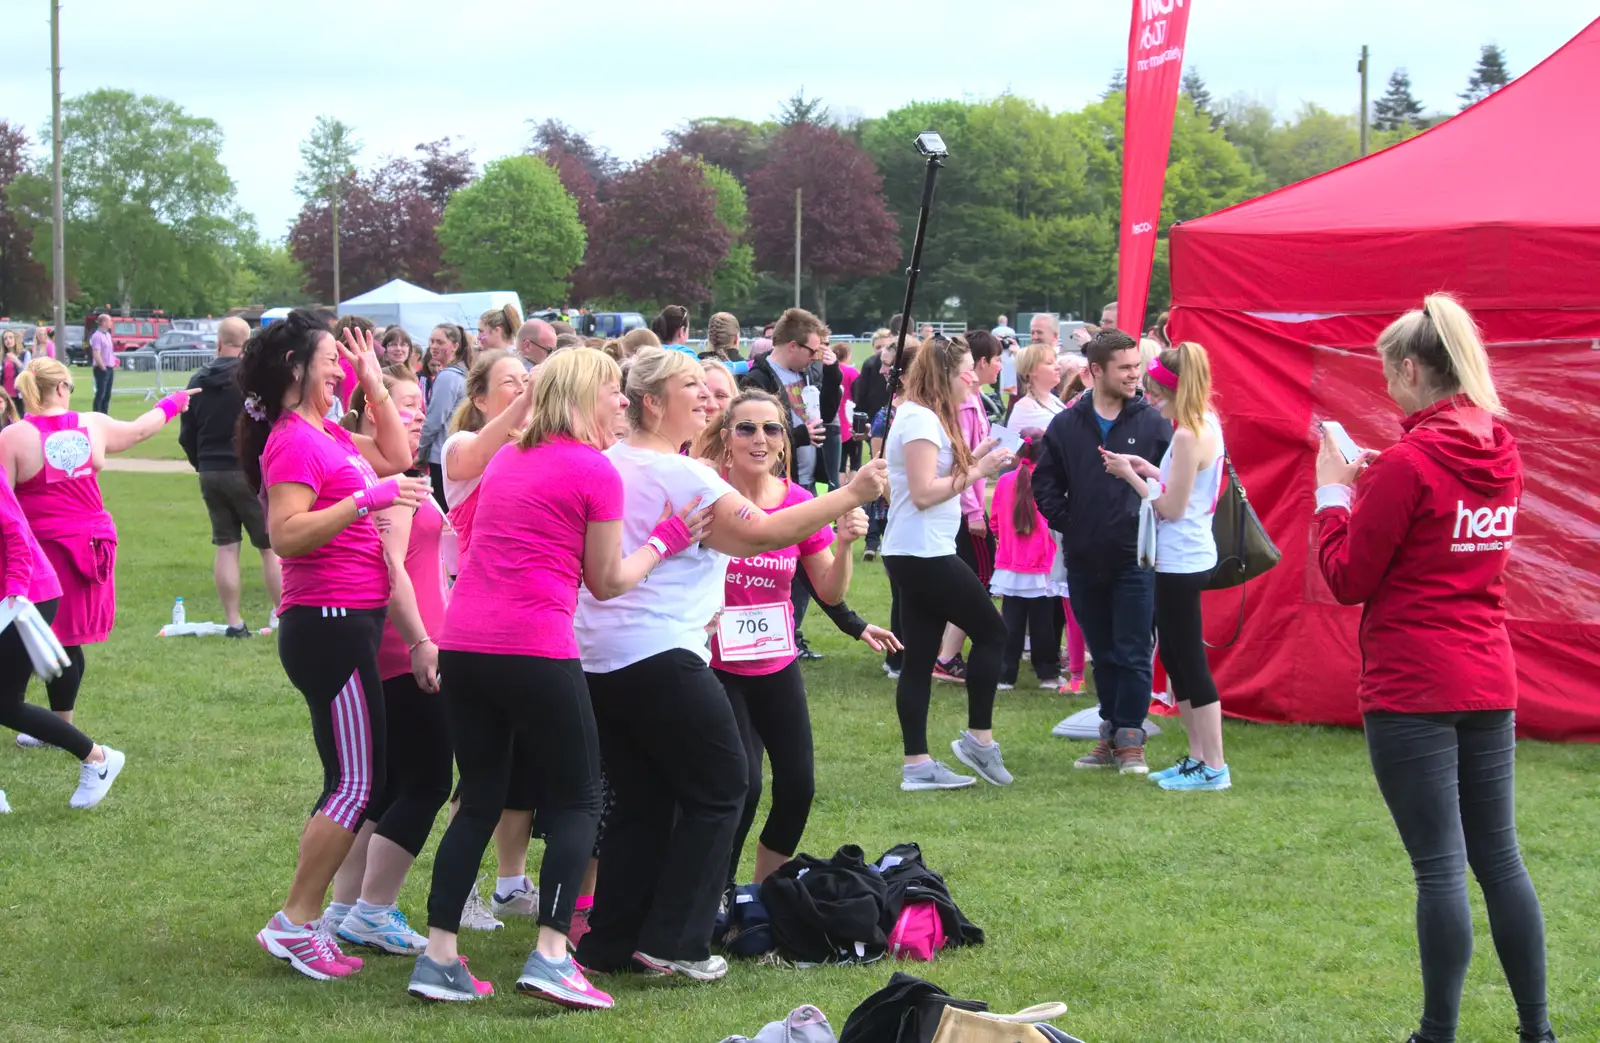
[(266, 370)]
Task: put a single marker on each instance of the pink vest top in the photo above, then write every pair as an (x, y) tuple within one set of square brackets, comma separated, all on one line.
[(63, 498), (425, 566)]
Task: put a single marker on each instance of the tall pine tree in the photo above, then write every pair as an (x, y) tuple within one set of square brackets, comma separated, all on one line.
[(1488, 77), (1195, 88), (1119, 82), (1397, 107)]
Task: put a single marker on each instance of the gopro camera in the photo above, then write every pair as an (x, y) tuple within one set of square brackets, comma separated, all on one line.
[(929, 143)]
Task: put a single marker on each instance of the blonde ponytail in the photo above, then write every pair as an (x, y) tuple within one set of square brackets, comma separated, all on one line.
[(1192, 401), (38, 379), (1443, 339)]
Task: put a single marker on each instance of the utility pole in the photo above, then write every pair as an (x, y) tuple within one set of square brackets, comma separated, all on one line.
[(58, 248), (1365, 113), (797, 212)]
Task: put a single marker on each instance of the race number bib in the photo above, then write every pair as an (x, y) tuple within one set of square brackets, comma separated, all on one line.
[(753, 632)]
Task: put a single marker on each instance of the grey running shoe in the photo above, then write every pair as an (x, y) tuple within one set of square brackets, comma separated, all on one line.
[(561, 983), (475, 915), (28, 742), (985, 760), (709, 969), (932, 775), (382, 929), (443, 982)]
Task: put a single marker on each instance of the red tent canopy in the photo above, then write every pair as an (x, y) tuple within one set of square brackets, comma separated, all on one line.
[(1289, 291)]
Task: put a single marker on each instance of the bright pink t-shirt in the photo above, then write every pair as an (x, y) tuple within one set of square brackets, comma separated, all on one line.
[(26, 570), (425, 567), (349, 571), (765, 580), (847, 380), (518, 586), (1034, 553)]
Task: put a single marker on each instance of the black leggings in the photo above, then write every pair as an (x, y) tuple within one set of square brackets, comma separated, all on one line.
[(933, 592), (419, 762), (490, 698), (20, 715), (1040, 619), (678, 777), (773, 718), (331, 655), (1448, 781), (63, 691), (1180, 639)]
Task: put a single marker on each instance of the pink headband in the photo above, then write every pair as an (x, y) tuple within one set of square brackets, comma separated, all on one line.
[(1162, 375)]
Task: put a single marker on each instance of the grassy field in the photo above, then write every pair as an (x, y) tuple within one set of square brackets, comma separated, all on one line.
[(1278, 911), (127, 403)]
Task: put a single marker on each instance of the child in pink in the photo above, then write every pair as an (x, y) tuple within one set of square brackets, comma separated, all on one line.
[(1030, 600)]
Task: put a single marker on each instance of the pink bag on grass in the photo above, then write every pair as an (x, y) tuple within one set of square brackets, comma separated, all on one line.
[(918, 934)]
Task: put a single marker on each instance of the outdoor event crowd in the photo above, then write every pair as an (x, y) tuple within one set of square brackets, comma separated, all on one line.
[(568, 578)]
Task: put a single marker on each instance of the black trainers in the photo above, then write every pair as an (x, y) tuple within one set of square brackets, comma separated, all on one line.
[(953, 670), (803, 651), (242, 630)]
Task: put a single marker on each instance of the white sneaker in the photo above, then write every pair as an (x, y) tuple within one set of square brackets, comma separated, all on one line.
[(5, 809), (1003, 687), (475, 915), (522, 901), (94, 780), (28, 742)]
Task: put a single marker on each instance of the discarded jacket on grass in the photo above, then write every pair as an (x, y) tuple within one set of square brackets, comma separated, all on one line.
[(827, 910)]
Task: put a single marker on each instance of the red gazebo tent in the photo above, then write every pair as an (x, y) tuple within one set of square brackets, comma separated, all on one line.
[(1501, 206)]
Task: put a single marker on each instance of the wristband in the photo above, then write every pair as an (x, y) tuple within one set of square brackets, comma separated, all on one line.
[(425, 639), (377, 498), (172, 405), (658, 546), (670, 537)]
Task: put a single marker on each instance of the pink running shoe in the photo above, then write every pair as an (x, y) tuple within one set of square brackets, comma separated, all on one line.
[(482, 988), (1074, 685), (561, 983), (306, 950), (355, 963)]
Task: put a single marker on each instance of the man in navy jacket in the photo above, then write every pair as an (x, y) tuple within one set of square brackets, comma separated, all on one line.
[(1097, 515)]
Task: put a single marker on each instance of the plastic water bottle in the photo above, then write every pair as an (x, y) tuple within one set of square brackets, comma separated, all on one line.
[(178, 616), (811, 395)]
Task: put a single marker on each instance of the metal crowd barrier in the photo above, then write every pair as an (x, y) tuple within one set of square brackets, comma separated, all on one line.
[(154, 374)]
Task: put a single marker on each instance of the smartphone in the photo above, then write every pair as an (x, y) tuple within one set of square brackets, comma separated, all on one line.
[(1341, 441)]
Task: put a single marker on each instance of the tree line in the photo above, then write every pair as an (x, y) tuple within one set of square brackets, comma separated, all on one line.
[(1025, 215)]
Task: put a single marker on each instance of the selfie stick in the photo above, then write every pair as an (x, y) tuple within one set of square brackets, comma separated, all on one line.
[(932, 146)]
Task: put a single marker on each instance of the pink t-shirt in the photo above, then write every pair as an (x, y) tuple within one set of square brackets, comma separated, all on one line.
[(847, 380), (349, 571), (425, 567), (518, 586), (765, 580), (26, 571)]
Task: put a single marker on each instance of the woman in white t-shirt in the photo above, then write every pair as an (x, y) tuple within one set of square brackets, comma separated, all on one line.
[(1038, 373), (930, 466), (1178, 381), (668, 739)]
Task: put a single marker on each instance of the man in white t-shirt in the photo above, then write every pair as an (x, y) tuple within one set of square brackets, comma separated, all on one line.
[(1004, 329), (1008, 355)]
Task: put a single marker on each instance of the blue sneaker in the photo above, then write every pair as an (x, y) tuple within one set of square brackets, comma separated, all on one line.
[(384, 929), (1183, 765), (1199, 777)]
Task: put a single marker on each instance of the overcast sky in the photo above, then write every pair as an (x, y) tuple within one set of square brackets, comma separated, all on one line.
[(406, 71)]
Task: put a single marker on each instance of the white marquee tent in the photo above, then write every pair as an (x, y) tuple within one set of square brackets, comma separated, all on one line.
[(399, 303)]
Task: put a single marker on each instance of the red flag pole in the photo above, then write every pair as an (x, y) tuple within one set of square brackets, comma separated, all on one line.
[(1155, 66)]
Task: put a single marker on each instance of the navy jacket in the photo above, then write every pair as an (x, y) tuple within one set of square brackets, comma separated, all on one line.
[(1096, 513)]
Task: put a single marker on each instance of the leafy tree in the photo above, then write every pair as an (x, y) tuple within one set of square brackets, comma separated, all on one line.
[(327, 158), (268, 275), (150, 208), (574, 175), (515, 228), (553, 136), (1488, 77), (443, 172), (735, 278), (846, 228), (1317, 140), (798, 109), (659, 239), (24, 282), (1250, 126), (387, 231), (1397, 107), (737, 146)]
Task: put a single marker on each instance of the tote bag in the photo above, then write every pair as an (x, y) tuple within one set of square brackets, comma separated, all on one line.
[(1244, 550)]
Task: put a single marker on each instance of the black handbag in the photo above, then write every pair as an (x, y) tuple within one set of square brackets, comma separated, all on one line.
[(1244, 550)]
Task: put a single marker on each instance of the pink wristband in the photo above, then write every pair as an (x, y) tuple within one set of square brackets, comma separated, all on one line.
[(673, 536), (377, 498), (172, 405)]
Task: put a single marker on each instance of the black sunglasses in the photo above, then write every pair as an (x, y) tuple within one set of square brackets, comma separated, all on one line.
[(747, 429)]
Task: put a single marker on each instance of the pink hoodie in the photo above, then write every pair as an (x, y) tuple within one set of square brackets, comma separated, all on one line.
[(1032, 554), (974, 424)]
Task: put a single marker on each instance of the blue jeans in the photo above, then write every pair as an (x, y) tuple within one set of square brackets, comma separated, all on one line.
[(102, 389), (830, 450), (1116, 611)]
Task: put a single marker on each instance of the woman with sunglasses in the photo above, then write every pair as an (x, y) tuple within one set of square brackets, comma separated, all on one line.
[(753, 651), (671, 747)]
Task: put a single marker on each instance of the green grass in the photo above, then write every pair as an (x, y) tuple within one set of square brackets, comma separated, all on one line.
[(126, 404), (1279, 911)]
